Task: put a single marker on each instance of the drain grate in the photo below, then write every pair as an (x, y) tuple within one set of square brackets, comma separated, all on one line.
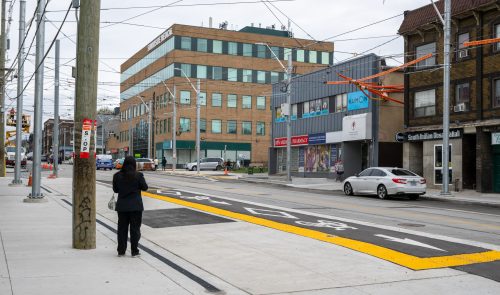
[(411, 224)]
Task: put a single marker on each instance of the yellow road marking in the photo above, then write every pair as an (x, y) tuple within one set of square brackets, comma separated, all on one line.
[(406, 260)]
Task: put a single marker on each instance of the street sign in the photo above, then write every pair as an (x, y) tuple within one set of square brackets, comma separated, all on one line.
[(86, 133)]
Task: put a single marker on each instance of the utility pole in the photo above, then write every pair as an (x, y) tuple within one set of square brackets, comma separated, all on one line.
[(2, 91), (84, 186), (36, 195), (446, 96), (20, 82), (55, 145), (174, 131), (198, 127), (289, 121), (150, 128)]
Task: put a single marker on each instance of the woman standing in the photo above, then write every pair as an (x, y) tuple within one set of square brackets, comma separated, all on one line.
[(128, 184)]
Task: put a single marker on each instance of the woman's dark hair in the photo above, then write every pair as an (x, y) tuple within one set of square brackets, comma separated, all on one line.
[(129, 167)]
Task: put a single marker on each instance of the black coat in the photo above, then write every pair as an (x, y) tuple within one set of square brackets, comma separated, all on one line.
[(129, 192)]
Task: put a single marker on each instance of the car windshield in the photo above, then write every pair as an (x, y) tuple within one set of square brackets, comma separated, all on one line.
[(10, 149), (402, 172)]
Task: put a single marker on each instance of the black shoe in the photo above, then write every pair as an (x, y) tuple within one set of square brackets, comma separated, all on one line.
[(121, 254), (138, 254)]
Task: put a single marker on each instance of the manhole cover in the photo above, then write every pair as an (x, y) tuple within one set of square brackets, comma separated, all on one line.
[(411, 224), (179, 217)]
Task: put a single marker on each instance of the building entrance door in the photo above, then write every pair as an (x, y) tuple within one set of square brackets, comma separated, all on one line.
[(496, 169)]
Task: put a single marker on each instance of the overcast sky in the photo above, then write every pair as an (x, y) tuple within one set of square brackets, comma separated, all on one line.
[(122, 35)]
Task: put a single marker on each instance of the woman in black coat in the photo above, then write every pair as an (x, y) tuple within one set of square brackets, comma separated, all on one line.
[(128, 184)]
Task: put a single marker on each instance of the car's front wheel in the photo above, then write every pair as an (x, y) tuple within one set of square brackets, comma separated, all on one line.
[(348, 189), (218, 168), (382, 192), (193, 168)]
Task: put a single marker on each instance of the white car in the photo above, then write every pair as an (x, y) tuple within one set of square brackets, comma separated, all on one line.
[(207, 164), (384, 181)]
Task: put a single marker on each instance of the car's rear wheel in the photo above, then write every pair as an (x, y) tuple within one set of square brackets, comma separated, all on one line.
[(413, 197), (348, 189), (382, 192), (218, 168), (193, 168)]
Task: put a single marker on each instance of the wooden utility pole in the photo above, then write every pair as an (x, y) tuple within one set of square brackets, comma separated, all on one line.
[(84, 187), (2, 91)]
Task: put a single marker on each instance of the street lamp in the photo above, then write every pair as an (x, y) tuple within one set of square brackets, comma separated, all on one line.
[(174, 126), (197, 90), (150, 117), (288, 112)]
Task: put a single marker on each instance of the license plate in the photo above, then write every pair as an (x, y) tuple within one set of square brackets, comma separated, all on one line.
[(413, 183)]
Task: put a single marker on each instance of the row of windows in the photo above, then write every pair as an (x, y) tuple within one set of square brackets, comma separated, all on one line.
[(231, 74), (316, 107), (230, 128), (225, 47)]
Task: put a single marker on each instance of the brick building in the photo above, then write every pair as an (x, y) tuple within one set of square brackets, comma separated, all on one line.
[(66, 129), (474, 95), (236, 76)]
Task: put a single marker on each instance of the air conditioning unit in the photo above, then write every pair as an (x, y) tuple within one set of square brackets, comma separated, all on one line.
[(463, 53), (461, 107)]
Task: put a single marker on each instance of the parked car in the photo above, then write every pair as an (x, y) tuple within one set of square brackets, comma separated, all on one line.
[(207, 164), (384, 182), (145, 164), (119, 163), (104, 162)]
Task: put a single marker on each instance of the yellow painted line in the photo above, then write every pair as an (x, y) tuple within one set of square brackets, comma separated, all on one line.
[(406, 260)]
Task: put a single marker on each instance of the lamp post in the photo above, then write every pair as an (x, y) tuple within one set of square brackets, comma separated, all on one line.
[(174, 126), (197, 90), (150, 117), (288, 111)]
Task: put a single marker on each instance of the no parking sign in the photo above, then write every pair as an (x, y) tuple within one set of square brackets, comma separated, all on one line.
[(86, 134)]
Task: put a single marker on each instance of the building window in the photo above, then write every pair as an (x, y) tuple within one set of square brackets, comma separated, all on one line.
[(217, 46), (216, 99), (247, 49), (246, 102), (231, 127), (260, 128), (462, 93), (300, 55), (425, 103), (203, 125), (287, 52), (202, 45), (276, 51), (261, 77), (313, 56), (165, 126), (341, 102), (186, 68), (261, 102), (169, 125), (217, 73), (275, 77), (246, 128), (216, 126), (185, 97), (463, 52), (185, 124), (496, 93), (247, 76), (424, 50), (232, 75), (186, 43), (438, 164), (201, 72), (261, 51), (325, 58), (232, 100), (496, 31), (232, 48), (203, 98)]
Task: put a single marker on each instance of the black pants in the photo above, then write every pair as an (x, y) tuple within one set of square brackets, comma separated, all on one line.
[(134, 219)]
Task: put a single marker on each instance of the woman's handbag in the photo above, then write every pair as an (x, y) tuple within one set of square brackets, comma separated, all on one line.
[(112, 203)]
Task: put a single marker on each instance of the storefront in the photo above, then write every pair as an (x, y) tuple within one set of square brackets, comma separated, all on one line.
[(495, 143)]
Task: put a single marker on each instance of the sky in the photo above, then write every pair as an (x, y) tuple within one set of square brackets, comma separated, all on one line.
[(129, 25)]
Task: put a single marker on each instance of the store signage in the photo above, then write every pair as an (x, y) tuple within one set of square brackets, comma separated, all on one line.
[(357, 127), (125, 149), (317, 138), (334, 137), (86, 134), (495, 138), (400, 137), (167, 144), (432, 135), (160, 39), (296, 140), (357, 101)]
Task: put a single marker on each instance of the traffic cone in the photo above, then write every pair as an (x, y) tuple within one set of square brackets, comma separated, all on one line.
[(225, 171), (30, 180)]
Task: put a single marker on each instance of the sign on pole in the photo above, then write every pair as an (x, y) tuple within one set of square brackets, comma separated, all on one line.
[(86, 134)]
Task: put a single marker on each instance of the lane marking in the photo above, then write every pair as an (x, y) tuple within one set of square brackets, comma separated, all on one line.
[(409, 242), (406, 260)]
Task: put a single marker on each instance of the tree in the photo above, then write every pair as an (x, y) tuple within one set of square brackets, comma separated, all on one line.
[(105, 111)]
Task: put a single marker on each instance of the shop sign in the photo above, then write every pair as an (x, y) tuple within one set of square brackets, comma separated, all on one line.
[(317, 138), (432, 135), (357, 127), (495, 138), (357, 101), (334, 137), (125, 149), (167, 144), (400, 137), (160, 39), (296, 140), (86, 134)]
